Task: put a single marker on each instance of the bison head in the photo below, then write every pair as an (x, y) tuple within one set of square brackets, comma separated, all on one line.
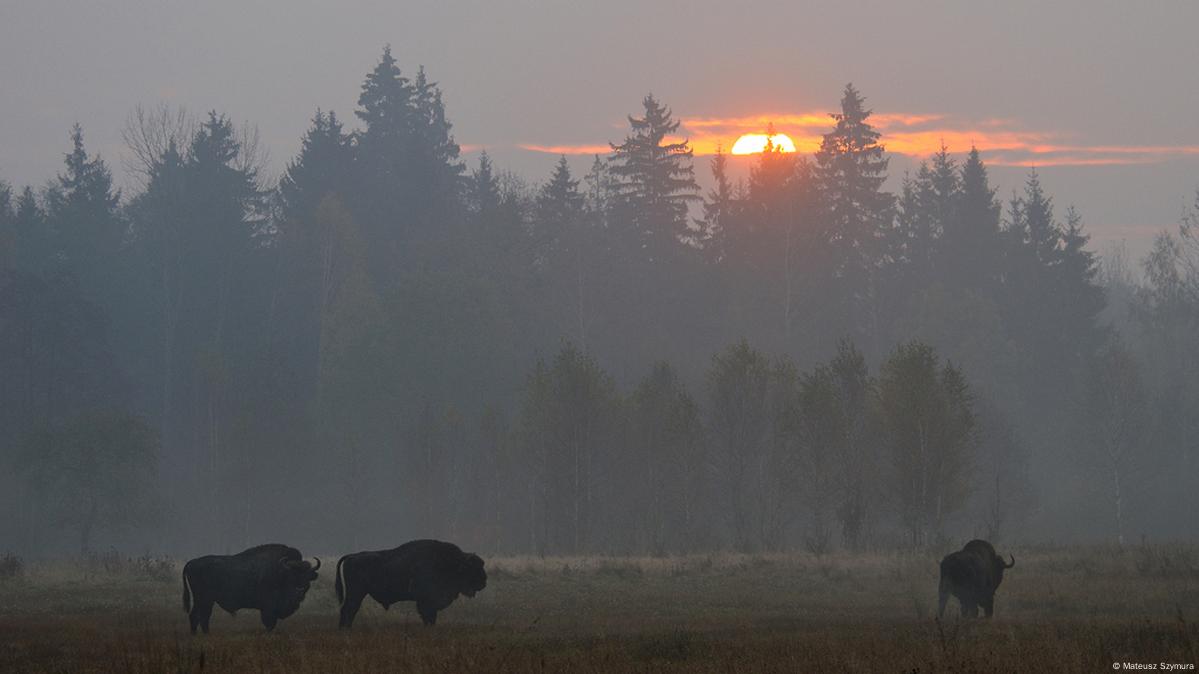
[(999, 565), (296, 578), (986, 551), (298, 573), (471, 576)]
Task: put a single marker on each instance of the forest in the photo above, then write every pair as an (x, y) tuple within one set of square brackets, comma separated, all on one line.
[(389, 342)]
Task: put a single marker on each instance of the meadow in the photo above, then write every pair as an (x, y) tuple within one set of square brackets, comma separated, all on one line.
[(1073, 609)]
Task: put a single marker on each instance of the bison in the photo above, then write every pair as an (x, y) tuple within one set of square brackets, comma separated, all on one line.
[(972, 574), (431, 573), (272, 578)]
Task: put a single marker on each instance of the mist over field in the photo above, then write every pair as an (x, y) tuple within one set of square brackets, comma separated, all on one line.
[(693, 342)]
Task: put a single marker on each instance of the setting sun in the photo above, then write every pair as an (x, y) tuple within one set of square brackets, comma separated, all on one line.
[(753, 143)]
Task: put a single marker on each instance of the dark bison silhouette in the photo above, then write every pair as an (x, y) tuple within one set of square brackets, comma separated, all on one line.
[(272, 578), (972, 574), (431, 573)]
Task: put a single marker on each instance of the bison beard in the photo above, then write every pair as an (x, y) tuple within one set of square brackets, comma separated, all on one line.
[(271, 578), (972, 574), (431, 573)]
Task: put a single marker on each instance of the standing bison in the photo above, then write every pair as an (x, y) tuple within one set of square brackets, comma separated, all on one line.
[(431, 573), (271, 578), (972, 574)]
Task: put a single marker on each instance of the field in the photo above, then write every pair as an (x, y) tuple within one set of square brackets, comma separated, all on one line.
[(1062, 610)]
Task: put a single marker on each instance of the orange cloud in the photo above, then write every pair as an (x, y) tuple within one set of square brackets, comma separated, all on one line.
[(1070, 160), (1121, 149), (925, 143), (568, 149), (916, 135)]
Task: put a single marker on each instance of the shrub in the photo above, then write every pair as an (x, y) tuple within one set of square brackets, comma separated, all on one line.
[(153, 567)]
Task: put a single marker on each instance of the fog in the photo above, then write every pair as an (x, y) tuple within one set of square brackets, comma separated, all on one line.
[(420, 280)]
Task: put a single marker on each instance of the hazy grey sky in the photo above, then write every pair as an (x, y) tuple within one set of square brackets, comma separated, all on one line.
[(1102, 96)]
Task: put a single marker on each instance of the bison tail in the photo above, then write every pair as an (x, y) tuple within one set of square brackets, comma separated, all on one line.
[(187, 593), (339, 584), (945, 587)]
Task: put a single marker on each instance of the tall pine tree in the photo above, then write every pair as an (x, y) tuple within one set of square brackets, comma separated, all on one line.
[(323, 167), (82, 214), (856, 213), (656, 181), (970, 250)]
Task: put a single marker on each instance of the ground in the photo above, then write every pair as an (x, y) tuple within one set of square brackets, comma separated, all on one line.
[(1061, 610)]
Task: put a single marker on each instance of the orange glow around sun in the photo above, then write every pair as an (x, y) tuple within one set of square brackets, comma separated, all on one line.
[(753, 143)]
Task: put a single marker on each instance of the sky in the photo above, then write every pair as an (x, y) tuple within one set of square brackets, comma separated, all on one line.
[(1102, 97)]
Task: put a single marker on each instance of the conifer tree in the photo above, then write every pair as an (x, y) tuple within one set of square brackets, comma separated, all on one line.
[(433, 139), (197, 226), (971, 250), (323, 167), (850, 170), (34, 241), (1032, 225), (718, 210), (1080, 296), (656, 180), (911, 235), (769, 179), (8, 232), (82, 210), (483, 189), (322, 171), (385, 107), (559, 203), (407, 142), (928, 207), (566, 243), (599, 191), (6, 203), (408, 177), (855, 214), (1050, 296), (385, 189)]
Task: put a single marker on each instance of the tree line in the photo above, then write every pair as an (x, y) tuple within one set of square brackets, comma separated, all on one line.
[(389, 340)]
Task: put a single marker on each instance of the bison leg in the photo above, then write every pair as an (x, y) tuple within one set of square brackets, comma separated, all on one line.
[(269, 619), (942, 599), (200, 614), (428, 614), (969, 608), (988, 604), (349, 609)]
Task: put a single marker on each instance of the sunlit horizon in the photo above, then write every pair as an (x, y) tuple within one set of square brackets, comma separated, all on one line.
[(756, 143)]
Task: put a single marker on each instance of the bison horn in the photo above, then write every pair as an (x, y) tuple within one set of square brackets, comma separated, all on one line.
[(318, 563), (1008, 566)]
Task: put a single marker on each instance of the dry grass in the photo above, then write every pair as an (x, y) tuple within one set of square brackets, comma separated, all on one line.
[(1076, 609)]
